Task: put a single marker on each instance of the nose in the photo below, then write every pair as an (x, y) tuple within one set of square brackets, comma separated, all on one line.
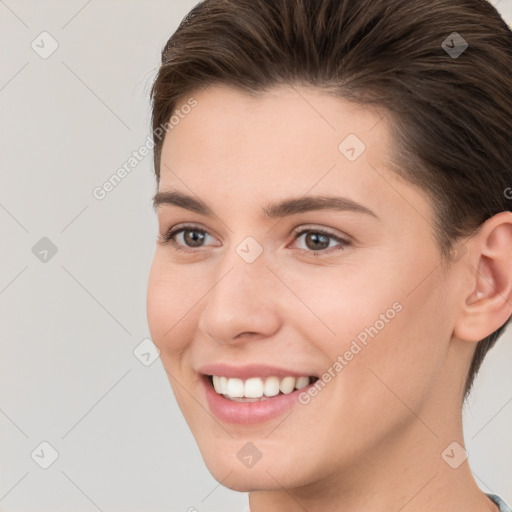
[(243, 302)]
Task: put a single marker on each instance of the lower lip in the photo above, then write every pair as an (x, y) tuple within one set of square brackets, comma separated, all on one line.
[(247, 413)]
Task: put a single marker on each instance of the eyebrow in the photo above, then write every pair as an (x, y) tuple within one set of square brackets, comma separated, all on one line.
[(292, 206)]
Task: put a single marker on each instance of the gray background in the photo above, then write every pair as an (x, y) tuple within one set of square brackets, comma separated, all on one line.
[(68, 374)]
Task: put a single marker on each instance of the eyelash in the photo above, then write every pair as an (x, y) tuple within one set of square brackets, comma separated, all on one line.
[(167, 239)]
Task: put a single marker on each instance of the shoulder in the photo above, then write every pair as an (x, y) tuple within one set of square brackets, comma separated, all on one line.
[(500, 502)]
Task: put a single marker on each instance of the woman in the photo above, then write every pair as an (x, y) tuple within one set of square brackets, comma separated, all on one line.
[(335, 238)]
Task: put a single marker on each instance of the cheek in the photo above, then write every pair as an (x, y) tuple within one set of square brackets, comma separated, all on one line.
[(170, 300), (335, 306), (158, 303), (389, 331), (402, 362), (169, 304)]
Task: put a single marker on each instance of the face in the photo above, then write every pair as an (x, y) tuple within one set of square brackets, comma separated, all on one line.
[(348, 294)]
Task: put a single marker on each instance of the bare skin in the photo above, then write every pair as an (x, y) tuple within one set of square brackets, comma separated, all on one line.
[(374, 437)]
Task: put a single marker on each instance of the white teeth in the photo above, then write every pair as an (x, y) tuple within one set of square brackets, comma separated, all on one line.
[(257, 388), (271, 387), (235, 388), (302, 382), (223, 381), (287, 385), (253, 388), (216, 384)]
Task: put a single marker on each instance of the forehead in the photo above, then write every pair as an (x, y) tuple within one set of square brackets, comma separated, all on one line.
[(289, 138), (225, 116)]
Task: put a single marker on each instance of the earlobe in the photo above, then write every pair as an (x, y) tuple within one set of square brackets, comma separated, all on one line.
[(489, 304)]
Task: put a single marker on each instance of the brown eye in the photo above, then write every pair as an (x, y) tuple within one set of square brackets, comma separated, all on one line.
[(192, 237), (317, 242)]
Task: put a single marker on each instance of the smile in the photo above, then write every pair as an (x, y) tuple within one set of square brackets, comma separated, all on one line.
[(252, 400), (257, 388)]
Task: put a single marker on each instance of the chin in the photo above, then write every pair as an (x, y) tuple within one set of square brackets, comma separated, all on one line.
[(264, 475), (250, 479)]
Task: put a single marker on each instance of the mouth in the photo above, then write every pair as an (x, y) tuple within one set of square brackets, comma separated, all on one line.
[(251, 394), (257, 389)]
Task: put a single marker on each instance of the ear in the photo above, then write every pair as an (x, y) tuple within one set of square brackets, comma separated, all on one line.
[(488, 303)]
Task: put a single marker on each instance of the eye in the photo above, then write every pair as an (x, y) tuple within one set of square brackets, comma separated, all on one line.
[(190, 234), (317, 240)]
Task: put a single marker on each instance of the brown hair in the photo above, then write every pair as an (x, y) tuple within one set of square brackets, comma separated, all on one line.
[(451, 112)]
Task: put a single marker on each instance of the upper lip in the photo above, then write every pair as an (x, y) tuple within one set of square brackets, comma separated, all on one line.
[(248, 371)]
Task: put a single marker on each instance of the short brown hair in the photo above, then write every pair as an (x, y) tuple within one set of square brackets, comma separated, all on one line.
[(451, 114)]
